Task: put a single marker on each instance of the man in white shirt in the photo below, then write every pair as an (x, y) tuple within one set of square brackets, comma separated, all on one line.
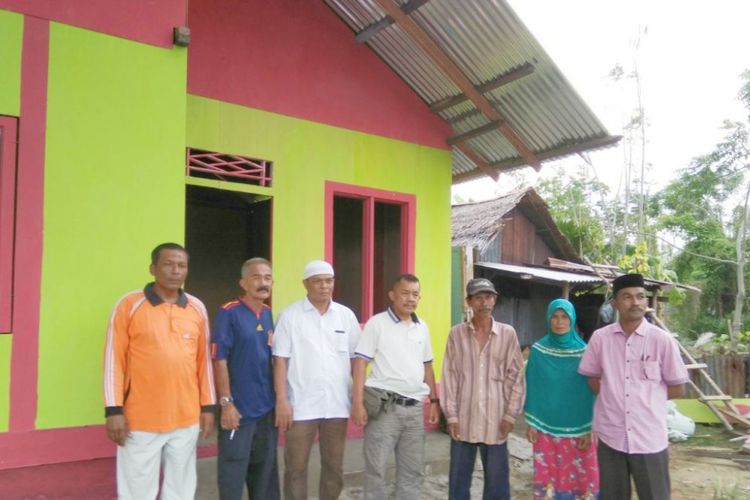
[(312, 347), (397, 343)]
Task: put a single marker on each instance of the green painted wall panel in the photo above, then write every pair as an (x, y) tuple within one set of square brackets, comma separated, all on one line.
[(11, 43), (114, 188), (305, 156), (6, 342)]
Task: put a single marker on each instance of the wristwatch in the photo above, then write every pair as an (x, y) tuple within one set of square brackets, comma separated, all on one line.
[(225, 400)]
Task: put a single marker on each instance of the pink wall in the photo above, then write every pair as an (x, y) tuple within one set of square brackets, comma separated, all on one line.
[(297, 58), (146, 21)]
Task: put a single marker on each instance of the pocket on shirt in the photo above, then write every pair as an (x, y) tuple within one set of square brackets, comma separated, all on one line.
[(650, 370), (341, 340), (497, 370)]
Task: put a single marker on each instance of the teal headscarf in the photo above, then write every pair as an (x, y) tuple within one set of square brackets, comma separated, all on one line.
[(558, 399)]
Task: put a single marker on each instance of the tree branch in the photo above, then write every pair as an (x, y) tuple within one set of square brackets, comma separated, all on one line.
[(715, 259)]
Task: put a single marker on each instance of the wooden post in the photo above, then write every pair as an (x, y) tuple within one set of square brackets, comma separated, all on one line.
[(566, 290), (467, 274)]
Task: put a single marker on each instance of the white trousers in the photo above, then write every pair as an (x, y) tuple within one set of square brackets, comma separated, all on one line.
[(139, 460)]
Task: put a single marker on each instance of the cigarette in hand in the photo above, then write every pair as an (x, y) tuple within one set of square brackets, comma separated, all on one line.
[(231, 435)]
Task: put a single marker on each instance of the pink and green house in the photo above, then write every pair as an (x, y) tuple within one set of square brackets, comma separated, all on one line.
[(273, 132)]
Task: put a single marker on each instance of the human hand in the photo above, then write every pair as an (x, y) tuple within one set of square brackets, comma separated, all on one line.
[(583, 442), (531, 434), (230, 417), (206, 423), (284, 415), (505, 428), (117, 429), (434, 413), (359, 414), (453, 431)]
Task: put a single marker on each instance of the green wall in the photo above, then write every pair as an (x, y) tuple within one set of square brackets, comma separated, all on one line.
[(114, 188), (305, 155), (11, 41)]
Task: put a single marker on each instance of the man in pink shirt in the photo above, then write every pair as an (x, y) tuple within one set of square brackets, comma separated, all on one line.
[(633, 367)]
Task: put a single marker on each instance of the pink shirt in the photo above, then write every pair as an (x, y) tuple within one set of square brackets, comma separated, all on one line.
[(630, 411), (482, 387)]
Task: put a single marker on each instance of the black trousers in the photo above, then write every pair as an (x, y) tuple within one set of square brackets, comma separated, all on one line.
[(650, 473)]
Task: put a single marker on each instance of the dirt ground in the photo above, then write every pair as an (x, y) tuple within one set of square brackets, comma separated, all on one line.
[(705, 467)]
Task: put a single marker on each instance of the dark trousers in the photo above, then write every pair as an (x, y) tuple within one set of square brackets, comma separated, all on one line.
[(249, 459), (496, 471), (650, 472)]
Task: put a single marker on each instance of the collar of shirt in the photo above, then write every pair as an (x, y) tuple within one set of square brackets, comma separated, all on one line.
[(155, 300), (396, 319), (638, 331), (257, 313), (495, 327), (308, 306)]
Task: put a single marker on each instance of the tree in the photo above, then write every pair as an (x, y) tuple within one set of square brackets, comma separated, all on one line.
[(707, 207), (577, 204)]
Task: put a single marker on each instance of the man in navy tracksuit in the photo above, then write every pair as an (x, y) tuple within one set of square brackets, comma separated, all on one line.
[(242, 336)]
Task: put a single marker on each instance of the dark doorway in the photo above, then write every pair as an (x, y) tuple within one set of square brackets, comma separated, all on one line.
[(367, 251), (348, 257), (222, 230)]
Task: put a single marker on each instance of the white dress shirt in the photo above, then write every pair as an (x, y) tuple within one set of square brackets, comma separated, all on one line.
[(319, 348)]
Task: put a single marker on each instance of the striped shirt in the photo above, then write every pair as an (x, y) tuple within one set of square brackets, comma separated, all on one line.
[(482, 387)]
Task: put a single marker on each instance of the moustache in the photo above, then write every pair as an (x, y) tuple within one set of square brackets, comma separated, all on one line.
[(263, 289)]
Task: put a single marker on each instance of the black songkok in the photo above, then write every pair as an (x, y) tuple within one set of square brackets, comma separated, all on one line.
[(627, 281)]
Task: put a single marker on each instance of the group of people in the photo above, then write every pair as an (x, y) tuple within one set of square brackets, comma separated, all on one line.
[(595, 414)]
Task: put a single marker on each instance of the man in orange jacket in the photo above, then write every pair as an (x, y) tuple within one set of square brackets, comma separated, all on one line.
[(158, 383)]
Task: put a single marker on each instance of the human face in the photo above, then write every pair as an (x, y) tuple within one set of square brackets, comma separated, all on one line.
[(405, 298), (631, 303), (170, 269), (319, 288), (482, 304), (559, 323), (257, 282)]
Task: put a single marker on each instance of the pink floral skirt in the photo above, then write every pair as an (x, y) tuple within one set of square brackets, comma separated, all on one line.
[(562, 471)]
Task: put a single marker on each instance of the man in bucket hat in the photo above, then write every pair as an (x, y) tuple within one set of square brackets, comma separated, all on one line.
[(482, 394)]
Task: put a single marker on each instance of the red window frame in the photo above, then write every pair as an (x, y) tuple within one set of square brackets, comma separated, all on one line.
[(370, 196), (8, 146)]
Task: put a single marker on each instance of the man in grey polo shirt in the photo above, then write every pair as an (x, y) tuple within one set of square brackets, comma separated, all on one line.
[(397, 343)]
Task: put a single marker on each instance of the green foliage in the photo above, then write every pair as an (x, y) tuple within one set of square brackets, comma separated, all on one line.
[(704, 207), (577, 206), (722, 342)]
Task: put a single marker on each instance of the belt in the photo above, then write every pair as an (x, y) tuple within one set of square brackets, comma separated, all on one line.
[(405, 401)]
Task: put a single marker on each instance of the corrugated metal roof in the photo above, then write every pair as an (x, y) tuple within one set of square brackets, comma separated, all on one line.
[(486, 40), (539, 274)]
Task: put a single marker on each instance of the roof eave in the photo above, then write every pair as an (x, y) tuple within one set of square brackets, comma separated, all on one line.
[(554, 154)]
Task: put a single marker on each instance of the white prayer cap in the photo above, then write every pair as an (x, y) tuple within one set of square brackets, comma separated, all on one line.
[(315, 267)]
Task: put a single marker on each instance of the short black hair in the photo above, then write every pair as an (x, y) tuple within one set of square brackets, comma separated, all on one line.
[(166, 246), (408, 277)]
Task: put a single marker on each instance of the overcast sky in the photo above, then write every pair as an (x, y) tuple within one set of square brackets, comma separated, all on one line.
[(690, 58)]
